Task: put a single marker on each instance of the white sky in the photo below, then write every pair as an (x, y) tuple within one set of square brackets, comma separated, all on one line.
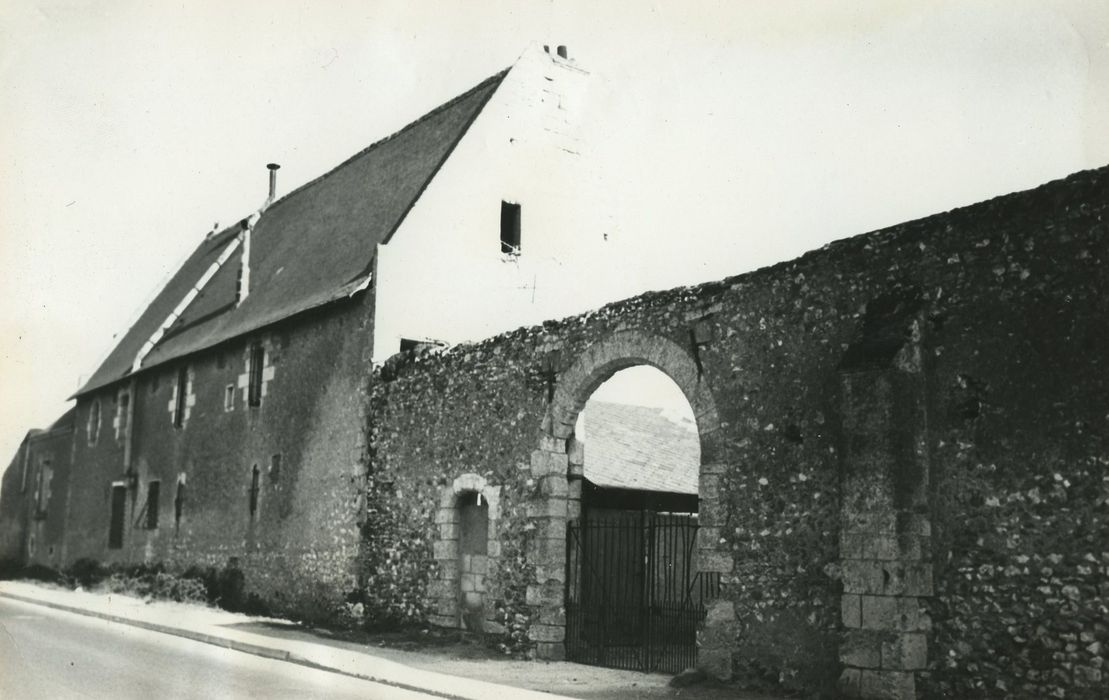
[(731, 134)]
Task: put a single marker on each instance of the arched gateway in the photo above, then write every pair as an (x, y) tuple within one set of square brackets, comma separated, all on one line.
[(557, 467)]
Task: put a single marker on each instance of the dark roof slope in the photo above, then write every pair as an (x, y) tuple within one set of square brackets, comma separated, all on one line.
[(313, 246), (642, 448)]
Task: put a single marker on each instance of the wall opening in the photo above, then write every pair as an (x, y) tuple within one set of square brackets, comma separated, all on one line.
[(254, 385), (92, 428), (123, 412), (635, 596), (153, 491), (115, 526), (178, 504), (467, 552), (473, 548), (180, 397), (510, 228), (566, 621)]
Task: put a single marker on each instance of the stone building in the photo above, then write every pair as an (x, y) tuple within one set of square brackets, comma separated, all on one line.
[(229, 422)]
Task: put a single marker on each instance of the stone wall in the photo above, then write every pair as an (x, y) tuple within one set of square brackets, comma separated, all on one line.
[(903, 442)]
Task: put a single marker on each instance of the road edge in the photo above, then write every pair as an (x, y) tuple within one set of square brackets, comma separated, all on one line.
[(234, 645)]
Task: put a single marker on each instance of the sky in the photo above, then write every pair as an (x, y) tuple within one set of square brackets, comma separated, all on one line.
[(727, 135)]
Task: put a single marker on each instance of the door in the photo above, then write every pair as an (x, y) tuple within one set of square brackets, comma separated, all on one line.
[(115, 529)]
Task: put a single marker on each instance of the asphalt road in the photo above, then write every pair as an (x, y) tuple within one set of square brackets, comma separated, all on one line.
[(47, 653)]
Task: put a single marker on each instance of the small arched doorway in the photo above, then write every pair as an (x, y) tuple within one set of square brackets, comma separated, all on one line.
[(473, 558)]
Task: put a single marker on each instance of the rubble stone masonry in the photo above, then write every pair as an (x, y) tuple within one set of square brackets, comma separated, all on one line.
[(904, 443)]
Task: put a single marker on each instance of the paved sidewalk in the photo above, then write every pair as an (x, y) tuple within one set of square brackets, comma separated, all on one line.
[(464, 679), (213, 626)]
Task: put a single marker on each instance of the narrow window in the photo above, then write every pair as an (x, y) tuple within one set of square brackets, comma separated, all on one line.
[(42, 488), (229, 398), (93, 426), (123, 409), (275, 467), (152, 492), (36, 497), (254, 388), (178, 505), (510, 228), (115, 528), (255, 475), (182, 391)]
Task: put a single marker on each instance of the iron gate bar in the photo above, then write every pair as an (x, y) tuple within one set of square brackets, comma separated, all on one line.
[(632, 598)]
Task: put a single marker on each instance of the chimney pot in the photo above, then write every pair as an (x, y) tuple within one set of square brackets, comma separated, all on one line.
[(562, 52), (273, 168)]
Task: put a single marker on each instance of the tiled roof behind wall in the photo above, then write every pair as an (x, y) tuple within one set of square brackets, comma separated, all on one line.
[(641, 448)]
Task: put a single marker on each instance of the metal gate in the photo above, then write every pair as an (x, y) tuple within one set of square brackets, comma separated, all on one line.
[(633, 600)]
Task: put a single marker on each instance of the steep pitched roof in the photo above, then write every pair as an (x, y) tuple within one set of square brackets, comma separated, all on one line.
[(641, 448), (311, 247)]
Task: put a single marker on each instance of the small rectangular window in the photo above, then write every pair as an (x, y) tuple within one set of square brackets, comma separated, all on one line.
[(46, 476), (275, 467), (254, 388), (182, 390), (229, 397), (123, 414), (152, 493), (93, 426), (36, 497), (510, 228)]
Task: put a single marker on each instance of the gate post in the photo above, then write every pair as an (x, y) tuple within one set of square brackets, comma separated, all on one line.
[(885, 524), (547, 514), (716, 638)]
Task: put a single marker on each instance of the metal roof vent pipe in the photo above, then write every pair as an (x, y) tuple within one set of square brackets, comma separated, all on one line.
[(273, 168), (562, 52)]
